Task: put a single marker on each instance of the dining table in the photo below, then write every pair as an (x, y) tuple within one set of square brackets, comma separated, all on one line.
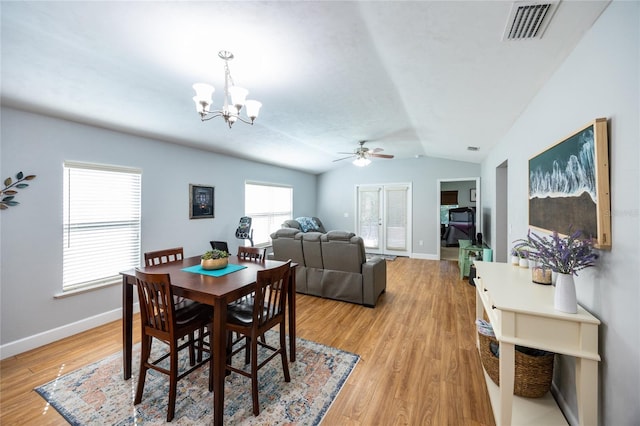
[(217, 291)]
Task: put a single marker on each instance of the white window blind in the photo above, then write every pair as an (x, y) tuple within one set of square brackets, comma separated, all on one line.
[(267, 205), (101, 223)]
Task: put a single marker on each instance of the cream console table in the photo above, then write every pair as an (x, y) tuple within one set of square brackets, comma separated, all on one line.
[(522, 313)]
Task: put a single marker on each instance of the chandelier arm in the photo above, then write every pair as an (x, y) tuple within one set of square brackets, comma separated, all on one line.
[(219, 113)]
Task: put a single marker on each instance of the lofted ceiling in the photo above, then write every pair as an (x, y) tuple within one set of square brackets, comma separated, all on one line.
[(419, 78)]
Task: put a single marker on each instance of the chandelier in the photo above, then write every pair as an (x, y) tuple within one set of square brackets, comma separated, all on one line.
[(234, 98)]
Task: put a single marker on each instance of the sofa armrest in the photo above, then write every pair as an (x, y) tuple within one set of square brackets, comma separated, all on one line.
[(374, 280)]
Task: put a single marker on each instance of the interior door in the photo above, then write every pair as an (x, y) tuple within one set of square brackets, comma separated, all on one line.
[(383, 219)]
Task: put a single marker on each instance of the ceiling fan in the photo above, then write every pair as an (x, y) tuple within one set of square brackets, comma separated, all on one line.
[(363, 154)]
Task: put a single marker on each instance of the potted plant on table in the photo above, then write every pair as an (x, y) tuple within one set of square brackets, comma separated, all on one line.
[(565, 255), (214, 259)]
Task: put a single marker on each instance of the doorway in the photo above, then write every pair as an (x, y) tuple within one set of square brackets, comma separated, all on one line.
[(469, 196), (382, 218), (501, 244)]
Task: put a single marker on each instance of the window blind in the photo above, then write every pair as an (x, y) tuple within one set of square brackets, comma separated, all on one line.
[(101, 223), (268, 205)]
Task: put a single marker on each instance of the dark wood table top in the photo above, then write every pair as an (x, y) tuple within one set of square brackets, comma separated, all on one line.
[(206, 288)]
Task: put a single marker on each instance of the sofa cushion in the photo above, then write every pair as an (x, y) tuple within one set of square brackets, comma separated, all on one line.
[(311, 249), (340, 235), (291, 223)]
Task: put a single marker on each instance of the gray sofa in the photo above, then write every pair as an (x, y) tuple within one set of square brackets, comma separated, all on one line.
[(332, 265)]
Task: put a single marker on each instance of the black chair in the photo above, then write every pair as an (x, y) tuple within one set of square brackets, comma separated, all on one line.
[(253, 317), (219, 245), (168, 322)]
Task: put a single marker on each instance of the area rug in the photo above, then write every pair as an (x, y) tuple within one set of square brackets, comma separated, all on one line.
[(388, 257), (98, 395)]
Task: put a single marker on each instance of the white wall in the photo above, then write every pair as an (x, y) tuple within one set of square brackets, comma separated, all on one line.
[(599, 79), (31, 233), (336, 194)]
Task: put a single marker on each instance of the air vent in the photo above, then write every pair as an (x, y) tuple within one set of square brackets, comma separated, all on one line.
[(473, 148), (528, 20)]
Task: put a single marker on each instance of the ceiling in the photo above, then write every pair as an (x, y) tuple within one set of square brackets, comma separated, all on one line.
[(420, 78)]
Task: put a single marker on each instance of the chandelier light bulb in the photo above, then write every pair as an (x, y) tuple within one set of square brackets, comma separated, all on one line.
[(252, 109), (238, 96)]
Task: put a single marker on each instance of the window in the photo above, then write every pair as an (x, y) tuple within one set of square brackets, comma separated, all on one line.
[(268, 206), (101, 224)]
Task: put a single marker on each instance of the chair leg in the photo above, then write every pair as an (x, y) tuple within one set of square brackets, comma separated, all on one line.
[(254, 375), (173, 381), (247, 350), (283, 353), (144, 357), (192, 352)]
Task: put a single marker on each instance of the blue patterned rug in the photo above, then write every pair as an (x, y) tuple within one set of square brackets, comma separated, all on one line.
[(97, 394)]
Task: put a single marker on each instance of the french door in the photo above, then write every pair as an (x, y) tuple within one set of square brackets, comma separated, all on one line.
[(383, 219)]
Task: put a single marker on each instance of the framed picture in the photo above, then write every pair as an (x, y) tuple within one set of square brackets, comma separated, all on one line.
[(472, 194), (201, 201), (569, 185)]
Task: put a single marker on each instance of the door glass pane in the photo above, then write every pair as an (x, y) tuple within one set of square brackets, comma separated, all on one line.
[(396, 215), (369, 215)]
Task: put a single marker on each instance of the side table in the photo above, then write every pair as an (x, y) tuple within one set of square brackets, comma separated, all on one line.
[(465, 251)]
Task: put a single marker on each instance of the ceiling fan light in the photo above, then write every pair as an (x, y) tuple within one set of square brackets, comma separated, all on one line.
[(253, 109), (361, 162)]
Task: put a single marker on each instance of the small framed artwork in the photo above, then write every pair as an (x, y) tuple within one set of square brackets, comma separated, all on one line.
[(201, 201), (569, 185), (472, 194)]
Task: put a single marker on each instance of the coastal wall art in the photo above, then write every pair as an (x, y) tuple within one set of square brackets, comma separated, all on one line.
[(569, 185)]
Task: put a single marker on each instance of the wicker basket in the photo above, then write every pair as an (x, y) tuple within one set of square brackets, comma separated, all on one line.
[(532, 374)]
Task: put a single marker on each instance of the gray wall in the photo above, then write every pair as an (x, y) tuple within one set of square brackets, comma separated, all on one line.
[(31, 233), (599, 79), (336, 194)]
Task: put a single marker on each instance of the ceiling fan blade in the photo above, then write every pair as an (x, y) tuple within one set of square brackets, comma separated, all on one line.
[(376, 150), (344, 158), (381, 155), (350, 153)]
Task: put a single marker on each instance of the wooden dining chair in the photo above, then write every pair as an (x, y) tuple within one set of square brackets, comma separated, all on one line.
[(253, 317), (256, 254), (168, 322), (219, 245), (159, 257)]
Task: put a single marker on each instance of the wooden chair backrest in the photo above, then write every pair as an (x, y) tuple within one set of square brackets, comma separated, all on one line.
[(153, 258), (257, 254), (156, 303), (270, 296)]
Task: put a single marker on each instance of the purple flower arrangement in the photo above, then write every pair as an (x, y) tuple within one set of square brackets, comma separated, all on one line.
[(564, 255)]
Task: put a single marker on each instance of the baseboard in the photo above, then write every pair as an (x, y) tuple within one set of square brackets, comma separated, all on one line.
[(424, 256), (50, 336)]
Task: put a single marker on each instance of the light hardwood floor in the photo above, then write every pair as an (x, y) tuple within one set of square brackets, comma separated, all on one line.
[(418, 365)]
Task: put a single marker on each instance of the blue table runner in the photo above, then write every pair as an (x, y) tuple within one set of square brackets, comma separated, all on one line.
[(197, 269)]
